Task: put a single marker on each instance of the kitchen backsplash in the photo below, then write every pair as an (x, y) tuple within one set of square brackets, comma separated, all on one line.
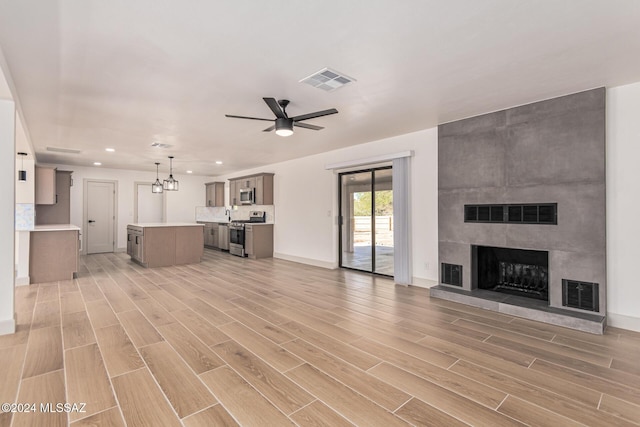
[(25, 216), (219, 214)]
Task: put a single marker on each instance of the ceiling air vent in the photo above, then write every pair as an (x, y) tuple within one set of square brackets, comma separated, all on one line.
[(327, 80), (63, 150), (160, 145)]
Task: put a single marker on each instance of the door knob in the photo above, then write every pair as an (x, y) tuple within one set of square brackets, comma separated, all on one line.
[(90, 221)]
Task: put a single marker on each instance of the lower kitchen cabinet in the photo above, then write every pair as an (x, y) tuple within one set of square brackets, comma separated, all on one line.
[(53, 253), (164, 245), (258, 240), (211, 233), (223, 237)]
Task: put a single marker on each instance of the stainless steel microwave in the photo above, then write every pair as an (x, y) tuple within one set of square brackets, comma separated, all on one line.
[(247, 196)]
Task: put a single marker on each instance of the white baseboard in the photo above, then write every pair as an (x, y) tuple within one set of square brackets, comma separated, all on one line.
[(623, 322), (22, 281), (424, 283), (7, 326), (308, 261)]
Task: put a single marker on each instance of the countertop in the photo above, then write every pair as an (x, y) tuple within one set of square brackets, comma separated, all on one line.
[(229, 222), (166, 224), (56, 227)]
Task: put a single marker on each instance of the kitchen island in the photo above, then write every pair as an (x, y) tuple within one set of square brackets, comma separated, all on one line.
[(53, 252), (164, 244)]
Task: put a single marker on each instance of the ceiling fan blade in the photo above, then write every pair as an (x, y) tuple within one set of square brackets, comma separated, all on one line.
[(269, 129), (273, 104), (307, 126), (314, 115), (245, 117)]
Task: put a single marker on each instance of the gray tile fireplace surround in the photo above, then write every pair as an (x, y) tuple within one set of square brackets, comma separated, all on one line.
[(551, 151)]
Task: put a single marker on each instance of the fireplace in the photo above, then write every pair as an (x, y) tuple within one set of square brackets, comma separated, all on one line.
[(513, 271)]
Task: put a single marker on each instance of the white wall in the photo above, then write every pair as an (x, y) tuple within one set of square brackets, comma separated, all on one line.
[(7, 212), (306, 202), (623, 204), (181, 205)]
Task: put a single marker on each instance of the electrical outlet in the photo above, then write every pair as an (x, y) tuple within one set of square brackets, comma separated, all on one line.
[(427, 266)]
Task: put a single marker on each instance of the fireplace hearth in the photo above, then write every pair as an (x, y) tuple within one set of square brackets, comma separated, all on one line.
[(509, 270)]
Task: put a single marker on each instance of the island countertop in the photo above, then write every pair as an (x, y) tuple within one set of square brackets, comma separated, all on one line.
[(165, 224), (56, 227)]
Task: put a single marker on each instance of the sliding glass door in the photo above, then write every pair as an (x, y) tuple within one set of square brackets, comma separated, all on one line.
[(366, 212)]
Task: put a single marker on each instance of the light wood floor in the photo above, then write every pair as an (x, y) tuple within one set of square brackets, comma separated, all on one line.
[(234, 341)]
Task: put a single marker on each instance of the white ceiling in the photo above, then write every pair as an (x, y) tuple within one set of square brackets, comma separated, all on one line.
[(91, 74)]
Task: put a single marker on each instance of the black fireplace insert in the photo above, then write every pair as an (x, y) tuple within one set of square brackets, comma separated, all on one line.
[(514, 271)]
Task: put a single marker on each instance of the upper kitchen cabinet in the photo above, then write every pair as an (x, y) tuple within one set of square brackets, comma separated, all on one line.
[(215, 194), (45, 186), (264, 189), (234, 193), (60, 211), (261, 186)]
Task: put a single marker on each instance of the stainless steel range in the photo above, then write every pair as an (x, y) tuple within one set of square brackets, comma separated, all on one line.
[(236, 232)]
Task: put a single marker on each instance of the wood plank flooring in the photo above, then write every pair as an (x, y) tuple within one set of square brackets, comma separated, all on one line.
[(238, 342)]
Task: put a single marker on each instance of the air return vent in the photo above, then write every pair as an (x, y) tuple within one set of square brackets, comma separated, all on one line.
[(64, 150), (451, 274), (582, 295), (532, 213), (160, 145), (327, 80)]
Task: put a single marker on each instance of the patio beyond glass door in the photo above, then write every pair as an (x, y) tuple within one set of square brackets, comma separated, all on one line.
[(366, 231)]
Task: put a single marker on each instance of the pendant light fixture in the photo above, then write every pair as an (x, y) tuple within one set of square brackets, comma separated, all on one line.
[(170, 184), (156, 187), (22, 173)]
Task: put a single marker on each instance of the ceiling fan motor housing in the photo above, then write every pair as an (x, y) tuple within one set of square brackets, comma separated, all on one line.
[(284, 126)]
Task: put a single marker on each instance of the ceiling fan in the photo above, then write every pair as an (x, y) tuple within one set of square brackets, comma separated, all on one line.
[(283, 123)]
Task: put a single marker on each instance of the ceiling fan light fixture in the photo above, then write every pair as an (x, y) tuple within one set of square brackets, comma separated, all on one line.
[(284, 126)]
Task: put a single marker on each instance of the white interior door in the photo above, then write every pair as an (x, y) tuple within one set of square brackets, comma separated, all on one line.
[(100, 216), (149, 205)]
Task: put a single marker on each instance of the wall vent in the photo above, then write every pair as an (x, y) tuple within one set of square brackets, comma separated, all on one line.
[(531, 213), (327, 80), (160, 145), (582, 295), (64, 150), (451, 274)]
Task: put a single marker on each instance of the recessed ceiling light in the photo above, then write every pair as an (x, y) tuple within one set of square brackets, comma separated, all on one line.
[(189, 171), (218, 162), (97, 164), (111, 150)]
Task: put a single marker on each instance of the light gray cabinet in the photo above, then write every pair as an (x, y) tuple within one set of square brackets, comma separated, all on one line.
[(53, 255), (60, 211), (264, 189), (214, 194), (234, 193), (135, 246), (258, 240), (211, 235), (164, 245), (223, 237), (45, 186), (262, 184)]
